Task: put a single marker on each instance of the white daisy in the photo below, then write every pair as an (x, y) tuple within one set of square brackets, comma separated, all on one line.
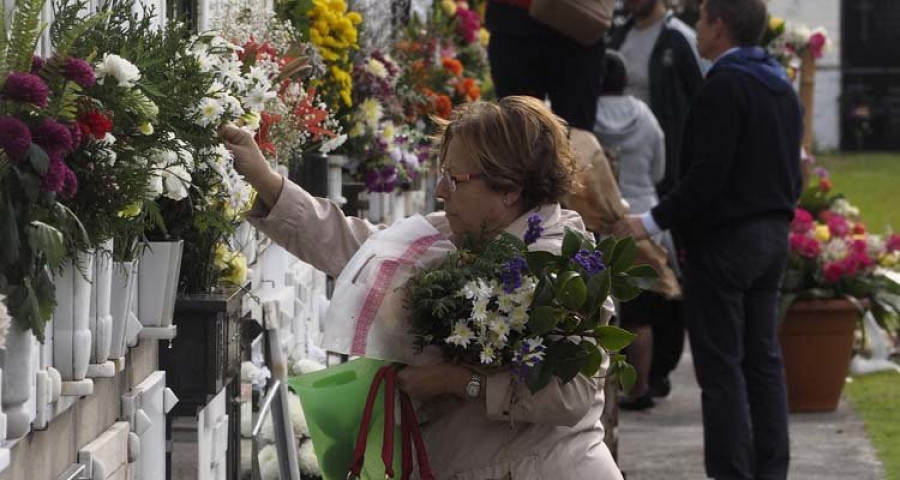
[(461, 335)]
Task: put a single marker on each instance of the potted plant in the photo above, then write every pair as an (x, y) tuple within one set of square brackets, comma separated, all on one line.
[(835, 272)]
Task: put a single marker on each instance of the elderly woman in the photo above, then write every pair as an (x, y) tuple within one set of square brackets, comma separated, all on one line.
[(499, 164)]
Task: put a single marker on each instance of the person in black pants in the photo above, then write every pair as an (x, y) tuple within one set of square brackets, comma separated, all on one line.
[(530, 58), (733, 205)]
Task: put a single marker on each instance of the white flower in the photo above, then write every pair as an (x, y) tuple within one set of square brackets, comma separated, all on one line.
[(487, 354), (177, 181), (250, 373), (461, 335), (258, 98), (258, 75), (477, 290), (332, 144), (518, 319), (371, 112), (499, 326), (268, 463), (108, 140), (307, 460), (479, 310), (305, 365), (505, 303), (375, 67), (217, 89), (210, 111), (252, 120), (388, 132), (125, 73), (206, 61), (154, 186), (844, 208), (835, 249), (298, 419)]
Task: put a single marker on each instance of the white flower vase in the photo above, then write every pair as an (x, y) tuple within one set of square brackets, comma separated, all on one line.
[(245, 241), (122, 289), (398, 202), (100, 316), (381, 207), (19, 375), (71, 318), (157, 284)]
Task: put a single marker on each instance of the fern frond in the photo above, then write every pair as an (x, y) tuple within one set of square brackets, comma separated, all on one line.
[(67, 39), (26, 28), (4, 42)]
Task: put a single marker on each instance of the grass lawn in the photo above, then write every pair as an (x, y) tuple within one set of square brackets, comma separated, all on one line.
[(871, 181), (877, 399)]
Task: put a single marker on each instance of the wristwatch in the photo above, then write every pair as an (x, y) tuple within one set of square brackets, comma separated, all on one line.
[(473, 388)]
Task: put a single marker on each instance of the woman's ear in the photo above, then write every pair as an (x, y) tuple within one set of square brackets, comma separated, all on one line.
[(512, 197)]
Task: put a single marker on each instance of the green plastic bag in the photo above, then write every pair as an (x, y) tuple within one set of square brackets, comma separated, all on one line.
[(333, 401)]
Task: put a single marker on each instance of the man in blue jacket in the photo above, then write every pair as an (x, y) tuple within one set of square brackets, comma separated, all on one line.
[(732, 205)]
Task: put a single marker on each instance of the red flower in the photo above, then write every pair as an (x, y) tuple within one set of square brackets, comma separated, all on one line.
[(262, 136), (469, 89), (452, 65), (859, 229), (893, 243), (833, 271), (825, 185), (95, 123), (443, 105)]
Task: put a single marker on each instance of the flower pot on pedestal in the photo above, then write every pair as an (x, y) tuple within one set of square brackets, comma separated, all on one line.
[(816, 339), (71, 323), (157, 283), (310, 171), (100, 316), (335, 178), (18, 381), (122, 288)]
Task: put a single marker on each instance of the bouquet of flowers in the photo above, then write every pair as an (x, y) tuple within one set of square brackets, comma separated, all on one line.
[(788, 42), (542, 315), (832, 255)]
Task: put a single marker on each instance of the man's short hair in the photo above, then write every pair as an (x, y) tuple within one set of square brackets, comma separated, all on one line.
[(746, 19), (615, 74)]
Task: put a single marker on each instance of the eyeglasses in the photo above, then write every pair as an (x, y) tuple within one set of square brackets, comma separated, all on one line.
[(451, 180)]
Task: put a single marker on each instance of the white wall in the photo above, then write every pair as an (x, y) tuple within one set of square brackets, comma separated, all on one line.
[(826, 13)]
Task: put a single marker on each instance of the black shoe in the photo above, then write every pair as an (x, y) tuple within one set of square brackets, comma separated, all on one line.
[(643, 402), (660, 387)]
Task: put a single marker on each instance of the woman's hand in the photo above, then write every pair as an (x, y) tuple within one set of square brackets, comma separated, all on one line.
[(250, 162), (431, 381)]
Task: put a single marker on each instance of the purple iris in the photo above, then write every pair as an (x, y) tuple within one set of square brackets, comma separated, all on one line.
[(534, 229), (512, 274), (591, 262)]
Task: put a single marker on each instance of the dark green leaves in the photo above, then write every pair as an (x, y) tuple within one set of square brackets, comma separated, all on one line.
[(613, 338), (9, 234), (38, 159), (571, 244), (571, 291), (622, 255), (43, 238), (538, 377), (543, 319), (539, 261)]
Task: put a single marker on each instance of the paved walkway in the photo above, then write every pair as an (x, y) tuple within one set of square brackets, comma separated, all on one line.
[(666, 442)]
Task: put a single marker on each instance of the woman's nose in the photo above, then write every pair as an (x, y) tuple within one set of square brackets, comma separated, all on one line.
[(441, 191)]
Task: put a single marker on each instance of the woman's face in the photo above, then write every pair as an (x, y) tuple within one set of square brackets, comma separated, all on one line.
[(473, 208)]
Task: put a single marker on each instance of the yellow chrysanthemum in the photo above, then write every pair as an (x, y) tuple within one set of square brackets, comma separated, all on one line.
[(484, 37), (822, 233)]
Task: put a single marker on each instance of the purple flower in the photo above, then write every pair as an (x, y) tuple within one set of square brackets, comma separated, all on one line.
[(37, 64), (26, 87), (53, 136), (80, 72), (821, 172), (591, 262), (15, 138), (511, 276), (382, 179), (77, 136), (70, 184), (534, 229), (55, 178)]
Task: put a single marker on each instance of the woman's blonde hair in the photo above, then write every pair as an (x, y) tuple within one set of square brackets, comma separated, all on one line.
[(516, 142)]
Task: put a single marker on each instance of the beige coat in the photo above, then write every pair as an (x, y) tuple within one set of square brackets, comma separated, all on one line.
[(555, 434)]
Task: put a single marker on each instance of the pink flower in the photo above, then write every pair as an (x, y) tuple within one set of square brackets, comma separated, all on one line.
[(15, 138), (75, 132), (893, 243), (817, 44), (838, 225), (80, 72), (37, 63), (26, 87), (52, 136), (803, 221), (70, 184), (55, 178), (467, 24), (805, 246), (833, 271)]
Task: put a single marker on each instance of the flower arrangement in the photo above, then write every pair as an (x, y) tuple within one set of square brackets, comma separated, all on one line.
[(502, 305), (788, 42), (833, 255)]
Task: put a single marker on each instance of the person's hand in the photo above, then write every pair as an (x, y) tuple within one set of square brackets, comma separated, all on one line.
[(248, 158), (431, 381), (630, 225)]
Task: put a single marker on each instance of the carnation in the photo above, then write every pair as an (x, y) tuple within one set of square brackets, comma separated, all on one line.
[(95, 123), (80, 72), (26, 87), (803, 221), (15, 138), (124, 72)]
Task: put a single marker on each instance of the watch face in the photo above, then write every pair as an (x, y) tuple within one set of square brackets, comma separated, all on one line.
[(473, 389)]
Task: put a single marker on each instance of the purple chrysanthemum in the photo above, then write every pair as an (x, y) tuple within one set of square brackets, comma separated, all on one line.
[(70, 184), (55, 178), (26, 87), (37, 64), (382, 179), (534, 229), (15, 138), (77, 136), (591, 262), (511, 276), (80, 72), (53, 136)]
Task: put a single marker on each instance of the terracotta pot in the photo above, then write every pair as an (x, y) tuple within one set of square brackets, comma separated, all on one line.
[(816, 344)]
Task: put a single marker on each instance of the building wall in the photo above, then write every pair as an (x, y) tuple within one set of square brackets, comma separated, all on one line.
[(826, 13)]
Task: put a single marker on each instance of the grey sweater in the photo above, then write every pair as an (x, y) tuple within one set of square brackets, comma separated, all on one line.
[(627, 128)]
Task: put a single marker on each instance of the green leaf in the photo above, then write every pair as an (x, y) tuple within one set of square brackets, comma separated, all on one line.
[(571, 291), (571, 244), (538, 377), (606, 247), (598, 290), (627, 377), (543, 319), (538, 261), (623, 255), (568, 359), (9, 233), (612, 338), (642, 271), (30, 183), (594, 360), (543, 293), (39, 159), (623, 290), (43, 238), (514, 240)]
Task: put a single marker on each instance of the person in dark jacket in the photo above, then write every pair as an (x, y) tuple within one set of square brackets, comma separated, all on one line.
[(665, 71), (530, 58), (732, 205)]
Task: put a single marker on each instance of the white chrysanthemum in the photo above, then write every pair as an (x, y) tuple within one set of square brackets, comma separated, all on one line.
[(232, 105), (477, 290), (124, 72), (834, 250), (209, 111), (388, 132), (875, 245), (500, 328), (505, 303), (307, 460), (217, 89), (375, 67), (487, 354), (461, 336), (371, 112), (479, 310), (843, 207), (259, 97), (298, 419), (333, 144), (206, 61), (177, 181), (268, 463)]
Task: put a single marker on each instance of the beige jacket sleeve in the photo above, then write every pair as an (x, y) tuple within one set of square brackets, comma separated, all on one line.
[(313, 229)]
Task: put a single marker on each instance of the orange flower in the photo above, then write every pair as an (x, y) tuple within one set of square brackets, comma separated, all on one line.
[(452, 65), (443, 105), (469, 89)]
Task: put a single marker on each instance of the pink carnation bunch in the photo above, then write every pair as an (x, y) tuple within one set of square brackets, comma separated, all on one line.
[(15, 138), (805, 246), (838, 225), (803, 221), (26, 87)]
